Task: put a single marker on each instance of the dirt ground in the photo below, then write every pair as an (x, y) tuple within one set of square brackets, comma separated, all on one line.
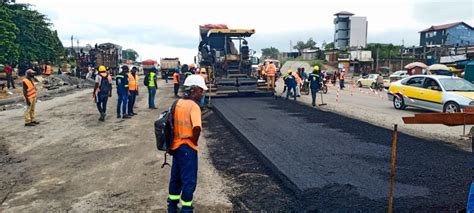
[(73, 162)]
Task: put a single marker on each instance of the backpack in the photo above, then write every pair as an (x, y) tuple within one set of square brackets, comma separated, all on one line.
[(104, 87), (164, 131)]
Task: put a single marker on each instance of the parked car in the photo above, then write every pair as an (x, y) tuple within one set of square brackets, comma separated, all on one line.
[(398, 75), (370, 80), (432, 92)]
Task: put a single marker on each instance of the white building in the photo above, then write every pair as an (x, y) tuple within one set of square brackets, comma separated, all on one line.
[(350, 31)]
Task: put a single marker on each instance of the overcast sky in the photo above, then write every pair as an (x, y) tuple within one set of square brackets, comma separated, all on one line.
[(170, 28)]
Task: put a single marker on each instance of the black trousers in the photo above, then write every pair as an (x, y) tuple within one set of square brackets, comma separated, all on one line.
[(176, 89), (10, 82)]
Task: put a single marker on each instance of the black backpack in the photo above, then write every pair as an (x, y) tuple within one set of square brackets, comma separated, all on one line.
[(104, 87), (164, 131)]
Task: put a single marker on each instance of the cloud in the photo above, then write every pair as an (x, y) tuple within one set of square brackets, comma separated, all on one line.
[(442, 12)]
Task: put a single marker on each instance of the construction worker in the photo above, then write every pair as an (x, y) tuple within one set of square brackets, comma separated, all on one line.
[(314, 79), (299, 83), (9, 74), (29, 93), (187, 128), (122, 93), (192, 69), (291, 84), (133, 88), (150, 83), (203, 73), (271, 71), (102, 91), (342, 76), (47, 70), (176, 79)]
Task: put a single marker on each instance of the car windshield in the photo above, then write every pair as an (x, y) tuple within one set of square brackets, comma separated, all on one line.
[(456, 84)]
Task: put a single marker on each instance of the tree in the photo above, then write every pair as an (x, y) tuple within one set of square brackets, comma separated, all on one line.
[(9, 50), (271, 52), (329, 46), (310, 44), (385, 50), (300, 46), (130, 54)]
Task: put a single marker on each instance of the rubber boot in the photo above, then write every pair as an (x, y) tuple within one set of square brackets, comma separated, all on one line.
[(173, 206), (187, 209)]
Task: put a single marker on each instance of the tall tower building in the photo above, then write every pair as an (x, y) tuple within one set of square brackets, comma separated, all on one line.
[(350, 31)]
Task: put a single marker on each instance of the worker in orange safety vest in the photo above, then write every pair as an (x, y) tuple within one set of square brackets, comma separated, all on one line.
[(133, 89), (271, 72), (30, 94)]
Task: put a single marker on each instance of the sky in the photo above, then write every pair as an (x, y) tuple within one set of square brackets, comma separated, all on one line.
[(166, 28)]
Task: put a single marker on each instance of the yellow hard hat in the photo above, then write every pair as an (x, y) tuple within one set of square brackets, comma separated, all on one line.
[(289, 72), (316, 68), (102, 69)]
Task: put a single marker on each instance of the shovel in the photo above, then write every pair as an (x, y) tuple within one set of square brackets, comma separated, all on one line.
[(322, 101)]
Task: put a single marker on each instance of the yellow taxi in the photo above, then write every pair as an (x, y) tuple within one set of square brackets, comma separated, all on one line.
[(432, 92)]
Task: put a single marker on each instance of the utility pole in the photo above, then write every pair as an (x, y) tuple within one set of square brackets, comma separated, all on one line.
[(377, 68), (72, 46), (291, 46), (403, 49)]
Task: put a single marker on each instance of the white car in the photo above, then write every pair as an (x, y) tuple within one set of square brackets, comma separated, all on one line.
[(398, 75), (369, 81)]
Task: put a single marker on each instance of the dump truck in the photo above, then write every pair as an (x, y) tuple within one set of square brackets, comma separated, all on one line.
[(226, 55), (107, 54), (168, 66)]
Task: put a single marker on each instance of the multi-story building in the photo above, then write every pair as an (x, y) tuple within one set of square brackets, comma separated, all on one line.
[(350, 31), (454, 34)]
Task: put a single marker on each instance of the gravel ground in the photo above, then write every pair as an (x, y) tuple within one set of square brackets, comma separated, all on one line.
[(349, 171)]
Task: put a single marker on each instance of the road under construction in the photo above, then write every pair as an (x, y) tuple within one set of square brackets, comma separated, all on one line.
[(256, 153)]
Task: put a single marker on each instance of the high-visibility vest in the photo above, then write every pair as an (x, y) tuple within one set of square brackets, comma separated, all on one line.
[(341, 76), (151, 79), (176, 78), (47, 70), (186, 116), (31, 89), (271, 70), (132, 82)]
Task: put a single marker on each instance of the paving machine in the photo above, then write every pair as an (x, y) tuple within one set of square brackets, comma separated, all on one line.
[(226, 56)]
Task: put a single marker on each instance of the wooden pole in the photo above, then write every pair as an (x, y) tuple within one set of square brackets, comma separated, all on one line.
[(392, 173)]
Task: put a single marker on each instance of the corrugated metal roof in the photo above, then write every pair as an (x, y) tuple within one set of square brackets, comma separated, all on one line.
[(444, 26)]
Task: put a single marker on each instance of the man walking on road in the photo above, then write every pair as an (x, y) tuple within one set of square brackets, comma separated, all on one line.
[(187, 128), (150, 83), (314, 80), (102, 91), (271, 71), (291, 84), (9, 72), (176, 80), (29, 93), (133, 88), (122, 93)]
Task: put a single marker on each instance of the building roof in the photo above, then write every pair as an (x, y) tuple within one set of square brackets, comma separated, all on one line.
[(444, 26), (344, 13)]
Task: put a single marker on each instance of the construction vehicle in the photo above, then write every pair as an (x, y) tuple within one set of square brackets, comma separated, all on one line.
[(225, 54), (107, 54), (168, 66)]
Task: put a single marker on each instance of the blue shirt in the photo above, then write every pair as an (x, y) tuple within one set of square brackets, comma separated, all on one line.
[(290, 81), (314, 81), (122, 83)]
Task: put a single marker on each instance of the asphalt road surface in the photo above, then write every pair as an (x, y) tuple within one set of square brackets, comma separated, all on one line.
[(338, 163)]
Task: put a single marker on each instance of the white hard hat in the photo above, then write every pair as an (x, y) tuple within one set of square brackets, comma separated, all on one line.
[(195, 80)]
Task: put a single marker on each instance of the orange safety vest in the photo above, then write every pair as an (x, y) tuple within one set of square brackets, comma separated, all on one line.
[(341, 76), (31, 89), (47, 70), (132, 82), (271, 70), (176, 78), (187, 115)]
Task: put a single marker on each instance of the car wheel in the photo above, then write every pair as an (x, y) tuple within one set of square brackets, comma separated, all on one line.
[(372, 86), (359, 84), (451, 107), (398, 102)]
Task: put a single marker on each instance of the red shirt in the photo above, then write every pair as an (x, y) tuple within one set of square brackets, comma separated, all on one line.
[(8, 70)]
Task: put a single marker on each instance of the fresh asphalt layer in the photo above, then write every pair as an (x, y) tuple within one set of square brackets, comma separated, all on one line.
[(335, 162)]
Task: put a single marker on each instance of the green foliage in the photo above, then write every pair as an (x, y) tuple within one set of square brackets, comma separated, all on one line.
[(385, 50), (27, 36), (328, 47), (130, 54), (271, 52), (310, 44)]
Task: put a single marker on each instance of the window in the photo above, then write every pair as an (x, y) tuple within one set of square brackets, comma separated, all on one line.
[(431, 84), (415, 82)]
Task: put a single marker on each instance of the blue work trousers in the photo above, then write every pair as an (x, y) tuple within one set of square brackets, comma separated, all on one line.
[(101, 101), (314, 92), (184, 173), (290, 88), (122, 100), (131, 101), (151, 97), (341, 84)]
